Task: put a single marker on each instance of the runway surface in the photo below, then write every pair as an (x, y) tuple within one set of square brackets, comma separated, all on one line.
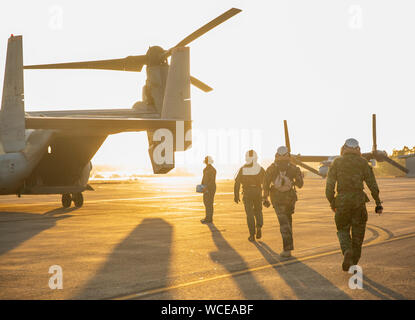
[(144, 240)]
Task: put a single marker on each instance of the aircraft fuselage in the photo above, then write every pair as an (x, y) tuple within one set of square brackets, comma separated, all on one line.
[(46, 165)]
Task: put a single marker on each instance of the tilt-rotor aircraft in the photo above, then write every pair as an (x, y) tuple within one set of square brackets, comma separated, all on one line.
[(49, 152), (372, 156)]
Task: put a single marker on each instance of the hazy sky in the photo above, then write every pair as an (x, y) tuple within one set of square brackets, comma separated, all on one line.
[(325, 66)]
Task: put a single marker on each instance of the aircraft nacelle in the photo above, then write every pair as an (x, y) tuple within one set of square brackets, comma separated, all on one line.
[(154, 89), (164, 142)]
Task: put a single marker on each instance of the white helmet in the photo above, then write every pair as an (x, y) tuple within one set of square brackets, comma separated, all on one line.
[(208, 160), (251, 157), (351, 143)]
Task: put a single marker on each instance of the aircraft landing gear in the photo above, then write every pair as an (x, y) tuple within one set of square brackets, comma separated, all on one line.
[(78, 199), (66, 200)]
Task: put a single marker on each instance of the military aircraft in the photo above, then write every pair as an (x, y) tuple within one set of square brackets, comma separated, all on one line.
[(49, 152), (372, 156)]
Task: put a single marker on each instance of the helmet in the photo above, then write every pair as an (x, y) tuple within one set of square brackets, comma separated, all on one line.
[(251, 157), (351, 143), (208, 160), (282, 153), (350, 146)]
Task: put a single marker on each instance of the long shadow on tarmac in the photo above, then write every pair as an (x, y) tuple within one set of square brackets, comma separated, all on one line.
[(305, 282), (18, 227), (56, 212), (138, 263), (232, 261), (380, 291)]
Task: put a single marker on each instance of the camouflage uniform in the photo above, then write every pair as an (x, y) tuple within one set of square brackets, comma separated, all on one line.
[(349, 171), (283, 202), (252, 195)]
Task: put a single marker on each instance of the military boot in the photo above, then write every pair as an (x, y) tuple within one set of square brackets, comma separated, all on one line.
[(285, 253), (258, 233), (347, 260)]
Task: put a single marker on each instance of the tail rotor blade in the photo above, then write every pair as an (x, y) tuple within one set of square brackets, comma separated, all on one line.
[(287, 136)]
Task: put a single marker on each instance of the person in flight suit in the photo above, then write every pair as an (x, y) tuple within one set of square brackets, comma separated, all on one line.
[(209, 183), (349, 171), (281, 178), (251, 176)]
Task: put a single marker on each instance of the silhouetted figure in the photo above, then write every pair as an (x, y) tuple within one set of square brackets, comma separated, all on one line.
[(251, 176), (209, 183), (281, 178), (349, 205)]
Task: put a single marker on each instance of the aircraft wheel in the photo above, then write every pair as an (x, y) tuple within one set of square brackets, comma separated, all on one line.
[(78, 199), (66, 200)]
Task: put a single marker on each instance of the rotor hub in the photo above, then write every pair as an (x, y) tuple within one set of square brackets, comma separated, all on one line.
[(156, 56), (380, 155)]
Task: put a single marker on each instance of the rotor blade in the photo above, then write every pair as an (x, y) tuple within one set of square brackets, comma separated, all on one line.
[(396, 164), (199, 84), (287, 137), (130, 63), (307, 167), (305, 158), (374, 146), (368, 156), (207, 27)]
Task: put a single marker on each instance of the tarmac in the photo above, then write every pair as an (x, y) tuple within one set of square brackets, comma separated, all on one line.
[(144, 240)]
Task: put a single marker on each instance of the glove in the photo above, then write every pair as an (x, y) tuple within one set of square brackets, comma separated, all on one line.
[(379, 209), (266, 203), (236, 199)]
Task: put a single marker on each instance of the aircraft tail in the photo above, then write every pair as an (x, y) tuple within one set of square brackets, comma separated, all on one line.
[(176, 106), (176, 102), (12, 115)]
